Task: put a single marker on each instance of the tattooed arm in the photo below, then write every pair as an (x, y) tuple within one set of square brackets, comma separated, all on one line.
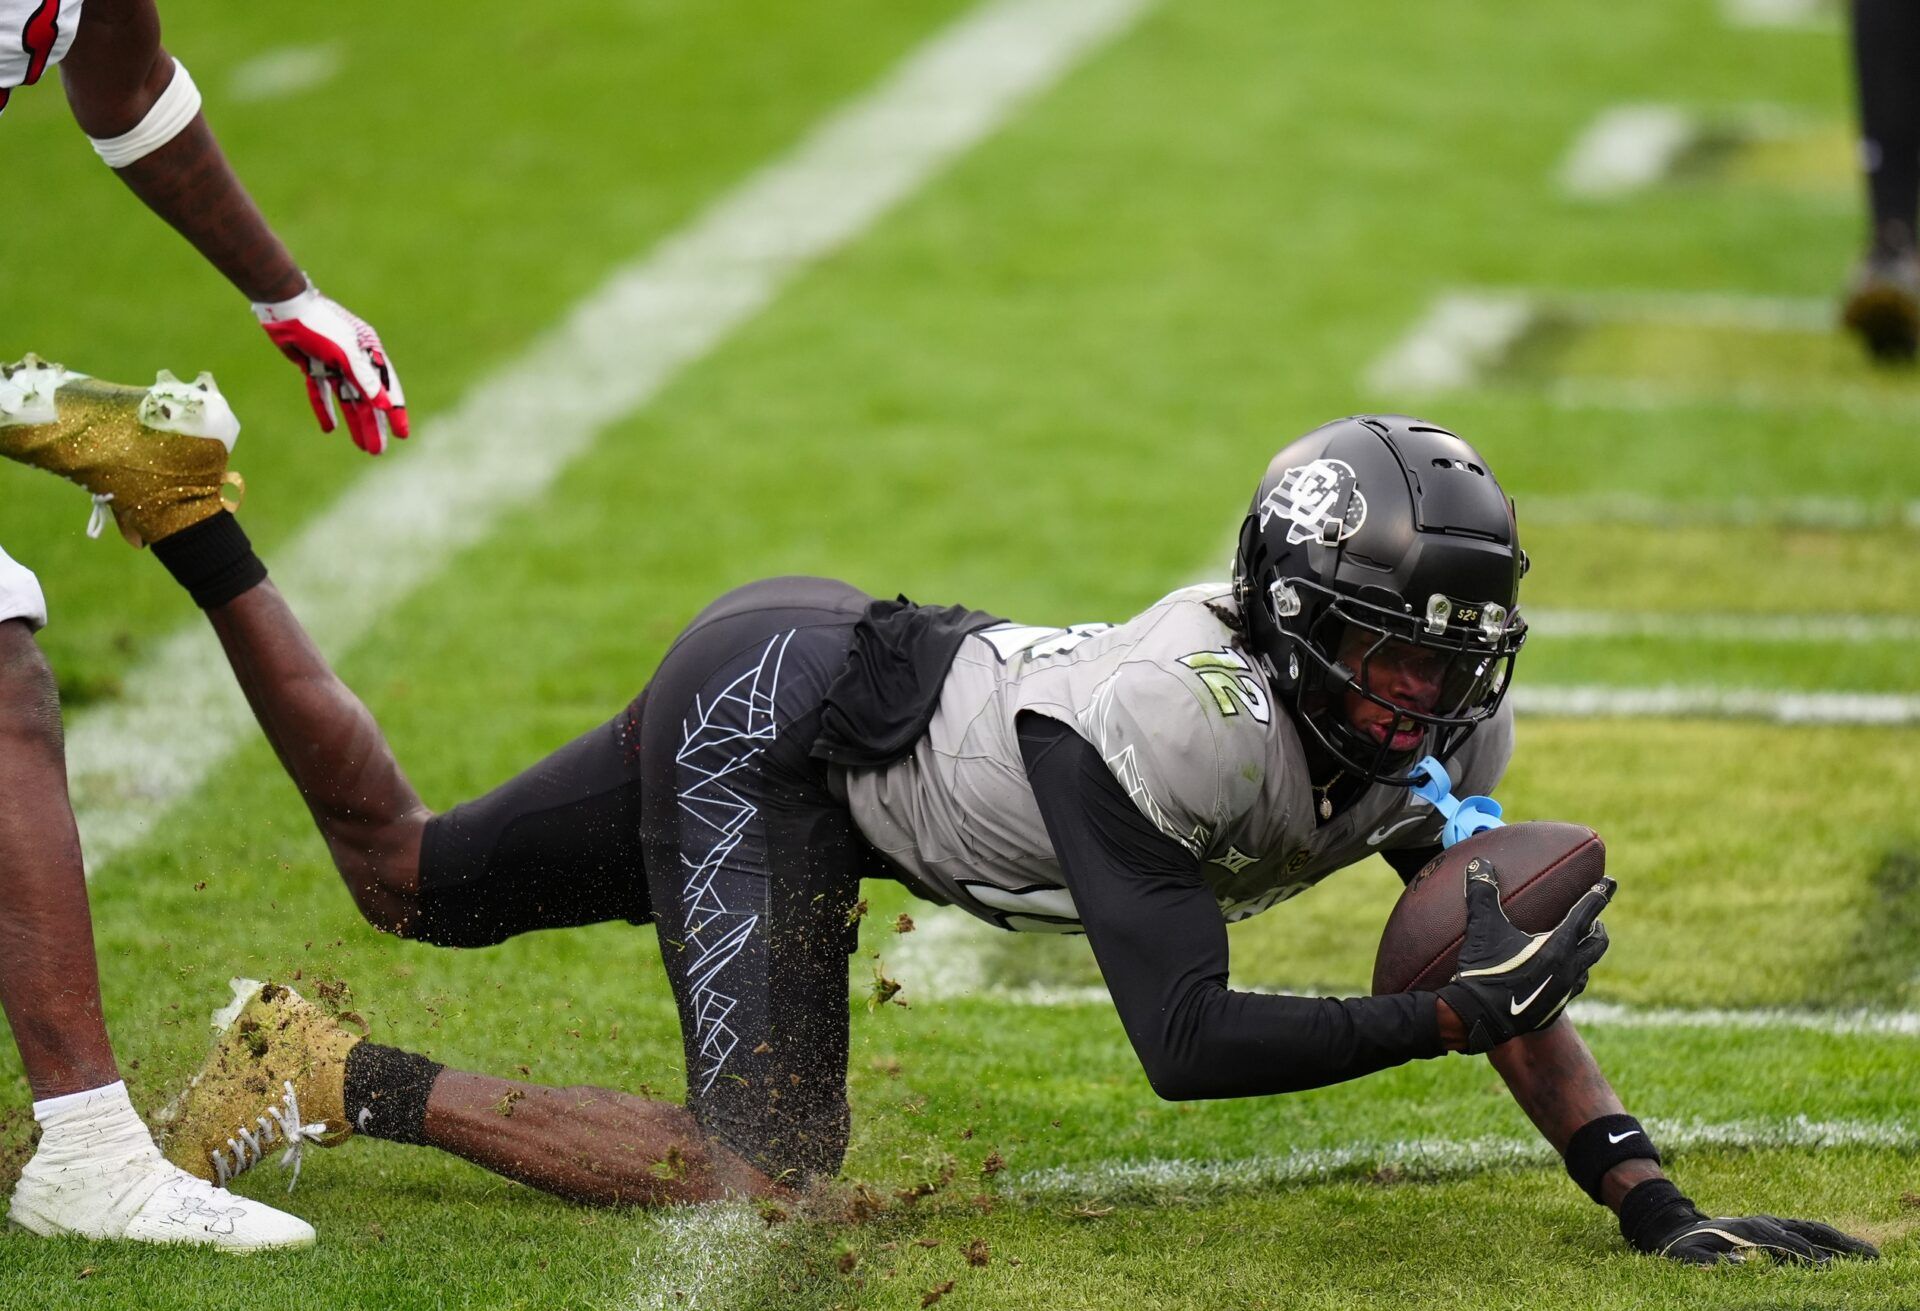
[(1557, 1083), (113, 74)]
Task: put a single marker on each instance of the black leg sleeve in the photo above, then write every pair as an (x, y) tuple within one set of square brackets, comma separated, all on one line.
[(557, 846), (1886, 60)]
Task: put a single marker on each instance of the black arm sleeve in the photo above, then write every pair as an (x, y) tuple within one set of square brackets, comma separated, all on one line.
[(1162, 947), (1406, 863)]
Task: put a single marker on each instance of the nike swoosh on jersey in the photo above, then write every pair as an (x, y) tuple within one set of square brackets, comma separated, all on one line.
[(1380, 835), (1515, 1006), (1621, 1137)]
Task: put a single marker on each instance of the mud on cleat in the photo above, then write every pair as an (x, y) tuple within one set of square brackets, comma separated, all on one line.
[(155, 456), (274, 1084), (1883, 306)]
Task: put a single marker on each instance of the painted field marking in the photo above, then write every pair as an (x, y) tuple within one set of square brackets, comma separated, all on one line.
[(1831, 513), (1626, 149), (1465, 336), (1787, 15), (704, 1258), (1835, 629), (132, 761), (1460, 338), (1629, 148), (945, 958), (1434, 1158), (285, 71), (1770, 705)]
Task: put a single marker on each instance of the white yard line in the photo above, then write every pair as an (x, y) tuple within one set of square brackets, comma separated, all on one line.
[(1626, 149), (1876, 709), (1789, 15), (1467, 333), (286, 71), (703, 1258), (1434, 1158), (1879, 1024), (944, 958), (397, 527), (1461, 337), (1834, 513), (1839, 629)]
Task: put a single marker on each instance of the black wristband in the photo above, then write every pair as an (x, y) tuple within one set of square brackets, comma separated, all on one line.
[(387, 1092), (1600, 1144), (213, 560), (1652, 1212)]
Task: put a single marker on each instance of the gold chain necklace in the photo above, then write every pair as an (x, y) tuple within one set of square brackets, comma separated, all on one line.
[(1326, 802)]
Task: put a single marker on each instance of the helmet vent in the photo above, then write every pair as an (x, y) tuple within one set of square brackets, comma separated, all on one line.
[(1465, 466)]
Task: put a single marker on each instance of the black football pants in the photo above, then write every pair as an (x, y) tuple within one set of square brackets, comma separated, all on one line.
[(699, 808)]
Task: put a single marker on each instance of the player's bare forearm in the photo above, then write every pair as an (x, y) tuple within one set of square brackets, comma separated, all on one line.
[(331, 746), (188, 183), (48, 982), (1559, 1085), (113, 74)]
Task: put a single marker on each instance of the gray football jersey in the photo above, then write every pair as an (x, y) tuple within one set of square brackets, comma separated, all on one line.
[(1176, 707)]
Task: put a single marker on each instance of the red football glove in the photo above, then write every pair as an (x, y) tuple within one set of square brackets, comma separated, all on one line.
[(344, 361)]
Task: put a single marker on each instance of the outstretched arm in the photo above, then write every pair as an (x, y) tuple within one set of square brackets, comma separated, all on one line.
[(334, 752), (1162, 946), (114, 73), (1559, 1085), (129, 95)]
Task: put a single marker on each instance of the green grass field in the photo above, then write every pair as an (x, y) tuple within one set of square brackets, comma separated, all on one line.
[(1043, 385)]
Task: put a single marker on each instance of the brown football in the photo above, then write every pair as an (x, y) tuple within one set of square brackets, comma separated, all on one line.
[(1543, 867)]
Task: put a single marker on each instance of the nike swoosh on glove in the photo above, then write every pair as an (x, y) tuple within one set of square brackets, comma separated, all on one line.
[(1510, 982), (345, 364)]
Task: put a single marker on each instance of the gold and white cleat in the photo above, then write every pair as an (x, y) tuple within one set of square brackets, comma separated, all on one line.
[(155, 456), (275, 1081)]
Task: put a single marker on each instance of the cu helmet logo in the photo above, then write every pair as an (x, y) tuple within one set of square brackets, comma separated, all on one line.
[(1308, 497)]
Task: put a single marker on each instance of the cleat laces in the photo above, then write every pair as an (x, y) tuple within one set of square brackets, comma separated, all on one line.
[(281, 1123), (97, 521)]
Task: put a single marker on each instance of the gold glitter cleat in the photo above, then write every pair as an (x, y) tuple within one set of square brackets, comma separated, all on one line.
[(155, 456), (274, 1081)]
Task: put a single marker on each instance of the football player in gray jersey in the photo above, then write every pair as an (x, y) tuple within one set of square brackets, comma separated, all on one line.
[(1141, 783)]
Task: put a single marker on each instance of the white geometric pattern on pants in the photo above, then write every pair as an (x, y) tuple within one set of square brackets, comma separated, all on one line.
[(718, 740)]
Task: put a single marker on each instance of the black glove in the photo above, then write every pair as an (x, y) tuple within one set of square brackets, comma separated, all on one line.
[(1661, 1221), (1511, 982)]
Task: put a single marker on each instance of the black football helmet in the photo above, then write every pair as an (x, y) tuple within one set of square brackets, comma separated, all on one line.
[(1380, 561)]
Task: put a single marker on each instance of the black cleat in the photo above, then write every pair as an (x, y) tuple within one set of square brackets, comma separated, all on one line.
[(1883, 306)]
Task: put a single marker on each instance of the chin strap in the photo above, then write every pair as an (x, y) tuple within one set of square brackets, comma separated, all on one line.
[(1466, 816)]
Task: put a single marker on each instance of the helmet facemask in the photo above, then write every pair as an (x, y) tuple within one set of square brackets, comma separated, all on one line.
[(1379, 688)]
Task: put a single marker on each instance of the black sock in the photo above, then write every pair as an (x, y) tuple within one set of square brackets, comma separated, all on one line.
[(387, 1092), (1886, 62), (213, 560)]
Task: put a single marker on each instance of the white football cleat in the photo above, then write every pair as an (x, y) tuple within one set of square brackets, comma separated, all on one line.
[(103, 1178)]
